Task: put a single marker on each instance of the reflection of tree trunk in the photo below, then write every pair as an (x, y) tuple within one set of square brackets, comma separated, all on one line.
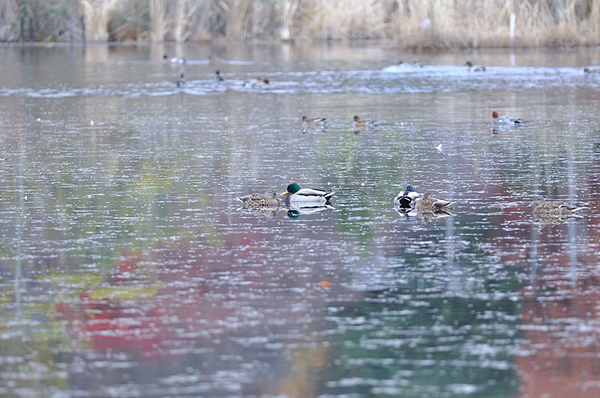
[(288, 10), (157, 20), (97, 15), (182, 12), (9, 19), (178, 20)]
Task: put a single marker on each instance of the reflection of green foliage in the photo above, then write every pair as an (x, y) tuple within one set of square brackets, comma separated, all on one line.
[(428, 345), (32, 343), (538, 163)]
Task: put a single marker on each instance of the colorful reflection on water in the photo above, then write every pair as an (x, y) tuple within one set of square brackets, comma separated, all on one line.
[(128, 269)]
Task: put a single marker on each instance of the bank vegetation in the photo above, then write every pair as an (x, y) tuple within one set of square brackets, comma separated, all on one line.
[(410, 23)]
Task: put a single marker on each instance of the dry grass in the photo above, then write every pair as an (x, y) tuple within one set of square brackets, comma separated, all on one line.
[(485, 23), (411, 23)]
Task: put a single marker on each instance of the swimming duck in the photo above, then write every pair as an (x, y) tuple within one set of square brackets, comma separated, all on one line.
[(167, 60), (314, 123), (258, 200), (305, 196), (415, 64), (219, 77), (437, 206), (506, 119), (405, 201), (474, 68), (362, 125), (181, 81), (256, 83), (587, 70), (555, 210)]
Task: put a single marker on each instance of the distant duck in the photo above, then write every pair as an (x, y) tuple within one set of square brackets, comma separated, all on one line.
[(219, 77), (405, 201), (258, 200), (587, 70), (362, 125), (474, 68), (313, 124), (305, 196), (415, 64), (256, 83), (555, 210), (167, 60), (506, 120), (436, 206), (181, 81)]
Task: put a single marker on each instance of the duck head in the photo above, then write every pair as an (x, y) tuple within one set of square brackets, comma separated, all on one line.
[(469, 63), (356, 118), (409, 188), (495, 115), (291, 189)]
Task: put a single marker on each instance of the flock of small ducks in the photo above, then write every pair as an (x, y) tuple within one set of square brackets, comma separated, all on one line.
[(408, 202), (298, 200)]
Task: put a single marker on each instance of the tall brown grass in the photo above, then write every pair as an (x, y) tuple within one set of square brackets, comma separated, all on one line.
[(410, 23)]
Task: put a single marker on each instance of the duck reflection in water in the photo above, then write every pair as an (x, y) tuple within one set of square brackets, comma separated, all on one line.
[(297, 211)]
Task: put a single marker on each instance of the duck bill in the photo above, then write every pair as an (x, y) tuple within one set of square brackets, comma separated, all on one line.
[(285, 193)]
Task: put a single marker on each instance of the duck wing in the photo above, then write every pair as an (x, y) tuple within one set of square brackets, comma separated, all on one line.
[(571, 207), (311, 192)]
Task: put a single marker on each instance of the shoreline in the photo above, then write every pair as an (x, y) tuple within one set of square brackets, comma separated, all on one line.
[(390, 44)]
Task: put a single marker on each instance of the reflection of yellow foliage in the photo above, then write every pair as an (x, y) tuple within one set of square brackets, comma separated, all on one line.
[(76, 281), (97, 291), (123, 293), (307, 366)]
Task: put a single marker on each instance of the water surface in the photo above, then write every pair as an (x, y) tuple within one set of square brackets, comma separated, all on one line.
[(128, 269)]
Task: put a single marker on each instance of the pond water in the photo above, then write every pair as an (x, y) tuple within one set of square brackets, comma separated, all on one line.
[(127, 267)]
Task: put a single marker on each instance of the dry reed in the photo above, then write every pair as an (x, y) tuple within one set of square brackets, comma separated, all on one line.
[(411, 23)]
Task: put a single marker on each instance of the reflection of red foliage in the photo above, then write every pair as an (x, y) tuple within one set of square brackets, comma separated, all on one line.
[(203, 292), (562, 349), (107, 323), (560, 317)]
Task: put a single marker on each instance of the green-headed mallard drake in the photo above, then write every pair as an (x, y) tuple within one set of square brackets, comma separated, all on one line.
[(555, 210), (506, 120), (406, 201), (437, 206), (313, 124), (219, 77), (362, 125), (293, 195), (474, 68), (258, 200), (181, 81)]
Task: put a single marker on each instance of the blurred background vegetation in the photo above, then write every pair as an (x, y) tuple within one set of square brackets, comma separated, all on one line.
[(410, 23)]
